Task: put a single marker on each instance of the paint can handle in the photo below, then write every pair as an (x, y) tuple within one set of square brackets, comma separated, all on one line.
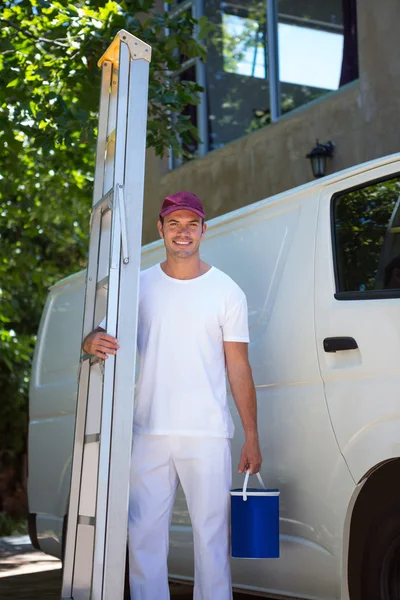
[(246, 480)]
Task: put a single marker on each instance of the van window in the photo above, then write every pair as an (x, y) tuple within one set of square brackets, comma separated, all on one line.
[(60, 346), (366, 233)]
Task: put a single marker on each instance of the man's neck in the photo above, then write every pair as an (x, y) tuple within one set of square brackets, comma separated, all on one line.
[(185, 268)]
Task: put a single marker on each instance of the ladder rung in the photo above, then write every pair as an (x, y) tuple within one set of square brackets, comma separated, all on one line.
[(104, 202), (93, 359), (92, 437), (111, 136), (103, 283), (84, 520)]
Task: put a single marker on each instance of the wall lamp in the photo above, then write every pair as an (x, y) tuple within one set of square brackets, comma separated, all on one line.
[(318, 156)]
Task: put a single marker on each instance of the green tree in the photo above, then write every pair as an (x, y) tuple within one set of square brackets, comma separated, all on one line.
[(365, 240), (49, 96)]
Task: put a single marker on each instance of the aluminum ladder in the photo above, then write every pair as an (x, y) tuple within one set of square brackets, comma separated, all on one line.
[(95, 549)]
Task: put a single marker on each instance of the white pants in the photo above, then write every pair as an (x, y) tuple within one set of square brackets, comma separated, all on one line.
[(203, 467)]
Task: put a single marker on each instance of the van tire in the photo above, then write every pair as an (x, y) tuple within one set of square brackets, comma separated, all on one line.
[(63, 541), (381, 559)]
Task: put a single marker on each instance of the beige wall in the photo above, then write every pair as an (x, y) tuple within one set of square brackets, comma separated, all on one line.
[(362, 119)]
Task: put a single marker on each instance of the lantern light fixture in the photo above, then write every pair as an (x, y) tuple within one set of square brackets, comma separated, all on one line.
[(318, 157)]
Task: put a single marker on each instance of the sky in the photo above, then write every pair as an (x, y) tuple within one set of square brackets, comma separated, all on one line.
[(307, 56)]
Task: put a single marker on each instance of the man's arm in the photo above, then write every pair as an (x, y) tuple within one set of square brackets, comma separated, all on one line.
[(100, 344), (244, 395)]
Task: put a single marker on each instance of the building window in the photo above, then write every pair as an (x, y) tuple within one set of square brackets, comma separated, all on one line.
[(269, 57), (237, 70), (191, 69), (317, 48), (367, 238), (244, 43)]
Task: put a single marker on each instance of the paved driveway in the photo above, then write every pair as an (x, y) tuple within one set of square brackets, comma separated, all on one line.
[(26, 574)]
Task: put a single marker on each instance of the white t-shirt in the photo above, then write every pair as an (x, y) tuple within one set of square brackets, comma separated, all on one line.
[(181, 329)]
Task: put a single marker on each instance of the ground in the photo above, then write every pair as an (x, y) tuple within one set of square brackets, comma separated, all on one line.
[(26, 574)]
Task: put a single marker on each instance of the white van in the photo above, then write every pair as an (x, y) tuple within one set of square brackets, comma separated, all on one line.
[(321, 269)]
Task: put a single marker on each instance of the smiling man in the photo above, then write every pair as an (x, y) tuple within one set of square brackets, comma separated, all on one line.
[(193, 327)]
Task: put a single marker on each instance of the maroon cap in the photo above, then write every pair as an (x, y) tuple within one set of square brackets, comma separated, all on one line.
[(182, 201)]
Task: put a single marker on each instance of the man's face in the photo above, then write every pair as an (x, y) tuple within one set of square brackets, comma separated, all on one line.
[(182, 232)]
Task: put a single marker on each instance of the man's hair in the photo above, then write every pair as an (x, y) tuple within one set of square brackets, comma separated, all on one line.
[(162, 221)]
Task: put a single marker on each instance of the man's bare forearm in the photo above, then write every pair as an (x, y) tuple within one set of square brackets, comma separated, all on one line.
[(244, 395)]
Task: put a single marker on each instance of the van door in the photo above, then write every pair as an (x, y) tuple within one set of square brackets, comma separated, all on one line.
[(357, 311)]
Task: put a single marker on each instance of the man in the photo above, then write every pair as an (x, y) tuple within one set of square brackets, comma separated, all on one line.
[(192, 325)]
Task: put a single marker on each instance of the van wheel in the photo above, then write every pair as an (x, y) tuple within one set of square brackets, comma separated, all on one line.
[(63, 541), (381, 561)]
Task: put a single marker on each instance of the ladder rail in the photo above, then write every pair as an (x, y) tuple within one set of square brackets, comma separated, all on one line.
[(98, 191), (77, 463), (112, 310), (117, 523), (99, 240), (102, 128), (83, 376)]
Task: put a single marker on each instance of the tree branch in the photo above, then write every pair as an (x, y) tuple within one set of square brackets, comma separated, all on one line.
[(33, 36)]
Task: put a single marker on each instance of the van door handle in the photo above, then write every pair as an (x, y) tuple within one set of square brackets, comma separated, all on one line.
[(335, 344)]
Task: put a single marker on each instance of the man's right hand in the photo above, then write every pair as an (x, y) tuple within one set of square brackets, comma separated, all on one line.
[(100, 344)]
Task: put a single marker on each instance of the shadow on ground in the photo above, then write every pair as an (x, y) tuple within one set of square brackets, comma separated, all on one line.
[(43, 585), (46, 585), (26, 574)]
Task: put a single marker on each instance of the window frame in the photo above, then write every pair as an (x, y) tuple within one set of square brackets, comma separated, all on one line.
[(370, 294), (197, 9), (273, 77)]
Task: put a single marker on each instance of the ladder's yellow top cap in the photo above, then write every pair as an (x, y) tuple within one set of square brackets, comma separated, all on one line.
[(137, 49)]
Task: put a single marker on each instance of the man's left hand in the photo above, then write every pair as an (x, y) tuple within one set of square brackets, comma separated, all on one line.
[(251, 457)]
